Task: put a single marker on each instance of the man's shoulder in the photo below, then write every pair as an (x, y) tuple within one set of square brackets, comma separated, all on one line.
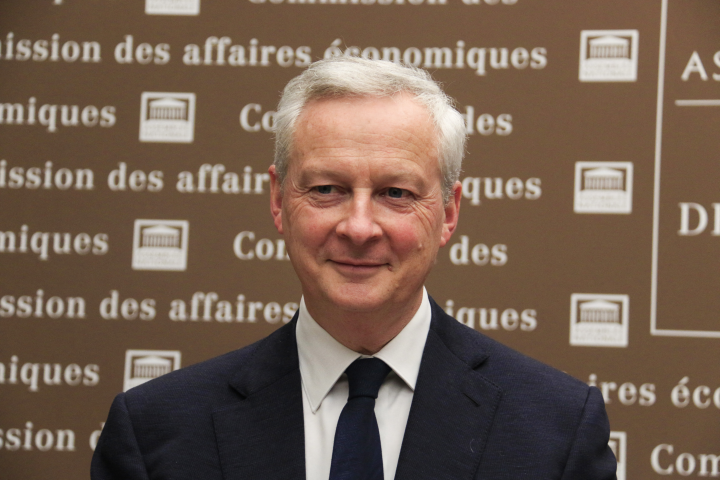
[(514, 373), (512, 369), (208, 384), (543, 421)]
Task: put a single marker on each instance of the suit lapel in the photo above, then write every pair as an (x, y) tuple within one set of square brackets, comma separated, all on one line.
[(262, 435), (452, 409)]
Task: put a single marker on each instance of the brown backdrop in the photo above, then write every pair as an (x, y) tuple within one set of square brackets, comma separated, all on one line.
[(134, 137)]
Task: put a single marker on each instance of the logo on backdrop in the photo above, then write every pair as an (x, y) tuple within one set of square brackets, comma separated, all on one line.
[(160, 245), (608, 55), (598, 320), (172, 7), (603, 187), (167, 117), (618, 443), (144, 365)]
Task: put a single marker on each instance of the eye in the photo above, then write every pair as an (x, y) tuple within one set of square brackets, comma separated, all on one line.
[(394, 192), (324, 189)]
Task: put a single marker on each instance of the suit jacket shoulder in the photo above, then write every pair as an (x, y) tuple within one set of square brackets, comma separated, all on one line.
[(509, 369), (546, 424), (194, 423), (245, 370), (480, 410)]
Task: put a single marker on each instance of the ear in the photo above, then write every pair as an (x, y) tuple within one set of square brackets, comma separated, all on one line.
[(452, 213), (275, 199)]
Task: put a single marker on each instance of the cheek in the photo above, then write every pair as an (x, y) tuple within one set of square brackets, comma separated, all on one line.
[(308, 233), (408, 238), (421, 231)]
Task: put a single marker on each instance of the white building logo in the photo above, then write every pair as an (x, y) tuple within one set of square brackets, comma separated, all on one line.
[(167, 117), (618, 444), (144, 365), (172, 7), (598, 320), (160, 245), (603, 187), (608, 55)]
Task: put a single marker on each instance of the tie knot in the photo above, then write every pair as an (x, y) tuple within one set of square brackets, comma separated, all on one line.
[(365, 376)]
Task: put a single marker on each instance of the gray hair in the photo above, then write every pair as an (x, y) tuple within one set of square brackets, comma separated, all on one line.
[(342, 77)]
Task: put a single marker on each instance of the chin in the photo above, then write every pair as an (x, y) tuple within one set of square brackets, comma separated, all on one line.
[(358, 298)]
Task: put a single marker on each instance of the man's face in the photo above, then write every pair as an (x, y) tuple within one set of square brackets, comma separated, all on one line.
[(361, 208)]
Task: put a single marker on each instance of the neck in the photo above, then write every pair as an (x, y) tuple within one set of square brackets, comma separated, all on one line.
[(365, 332)]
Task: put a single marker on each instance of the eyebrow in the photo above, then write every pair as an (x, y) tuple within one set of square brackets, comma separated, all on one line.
[(307, 175)]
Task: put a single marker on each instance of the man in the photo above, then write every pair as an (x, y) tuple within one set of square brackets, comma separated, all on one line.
[(365, 191)]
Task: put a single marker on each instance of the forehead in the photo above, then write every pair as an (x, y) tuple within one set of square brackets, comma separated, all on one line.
[(402, 110), (397, 129)]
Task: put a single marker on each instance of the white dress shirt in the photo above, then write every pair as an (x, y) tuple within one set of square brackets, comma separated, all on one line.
[(323, 361)]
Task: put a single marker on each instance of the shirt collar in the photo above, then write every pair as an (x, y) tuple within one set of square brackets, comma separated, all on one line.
[(323, 359)]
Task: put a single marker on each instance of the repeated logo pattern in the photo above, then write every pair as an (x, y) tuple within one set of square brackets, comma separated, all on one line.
[(160, 245), (599, 320), (144, 365), (609, 55), (172, 7), (167, 117), (603, 187), (618, 443), (122, 123)]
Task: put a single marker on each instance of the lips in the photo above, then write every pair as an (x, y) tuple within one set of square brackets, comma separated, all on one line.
[(358, 263), (357, 268)]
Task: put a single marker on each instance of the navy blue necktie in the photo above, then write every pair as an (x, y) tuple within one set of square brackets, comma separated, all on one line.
[(356, 452)]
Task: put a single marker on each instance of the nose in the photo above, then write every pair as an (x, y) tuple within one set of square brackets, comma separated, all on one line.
[(358, 224)]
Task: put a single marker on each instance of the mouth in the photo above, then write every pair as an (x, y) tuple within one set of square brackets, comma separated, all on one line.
[(357, 266)]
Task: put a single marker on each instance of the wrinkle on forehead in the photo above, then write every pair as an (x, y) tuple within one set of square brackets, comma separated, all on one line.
[(363, 173), (392, 128), (404, 144)]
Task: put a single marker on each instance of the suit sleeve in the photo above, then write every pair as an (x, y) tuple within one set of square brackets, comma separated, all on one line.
[(117, 454), (591, 458)]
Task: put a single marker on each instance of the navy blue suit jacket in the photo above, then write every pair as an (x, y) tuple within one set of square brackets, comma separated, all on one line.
[(480, 411)]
